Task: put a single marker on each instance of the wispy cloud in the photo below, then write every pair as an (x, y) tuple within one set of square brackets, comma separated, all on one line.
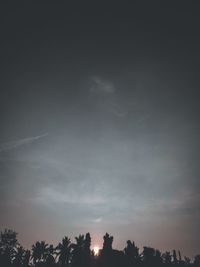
[(105, 91), (49, 195), (118, 110), (101, 86), (97, 220), (21, 142)]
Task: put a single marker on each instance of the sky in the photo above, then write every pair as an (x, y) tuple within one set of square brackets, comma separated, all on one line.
[(99, 119)]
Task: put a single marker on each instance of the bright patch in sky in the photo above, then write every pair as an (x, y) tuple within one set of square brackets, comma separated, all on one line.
[(96, 250)]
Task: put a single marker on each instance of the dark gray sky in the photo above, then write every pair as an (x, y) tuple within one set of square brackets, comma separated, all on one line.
[(99, 112)]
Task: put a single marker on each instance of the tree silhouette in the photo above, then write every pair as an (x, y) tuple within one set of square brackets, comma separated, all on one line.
[(197, 260), (64, 251), (108, 256), (79, 254), (132, 253), (49, 255), (21, 257), (8, 246), (107, 244), (148, 255), (78, 251), (167, 258), (26, 259), (151, 256), (174, 257), (39, 252), (87, 251), (187, 260), (158, 258), (179, 256)]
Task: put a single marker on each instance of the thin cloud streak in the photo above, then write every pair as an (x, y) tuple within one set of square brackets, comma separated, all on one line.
[(21, 142)]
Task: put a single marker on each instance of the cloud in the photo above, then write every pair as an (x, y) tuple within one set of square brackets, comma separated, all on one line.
[(49, 195), (118, 110), (21, 142), (97, 220), (101, 86), (104, 90)]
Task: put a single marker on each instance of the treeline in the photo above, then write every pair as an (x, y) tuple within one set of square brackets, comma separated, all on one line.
[(79, 254)]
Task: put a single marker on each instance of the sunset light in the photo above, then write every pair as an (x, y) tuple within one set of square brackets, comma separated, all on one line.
[(99, 134), (96, 250)]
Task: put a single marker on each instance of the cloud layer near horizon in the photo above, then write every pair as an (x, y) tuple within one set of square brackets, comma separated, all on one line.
[(99, 167)]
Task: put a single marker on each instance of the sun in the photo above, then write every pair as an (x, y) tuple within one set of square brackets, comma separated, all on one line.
[(96, 250)]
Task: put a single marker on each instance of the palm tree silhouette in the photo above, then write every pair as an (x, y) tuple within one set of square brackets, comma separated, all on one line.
[(81, 253), (21, 257), (77, 253), (39, 252), (8, 246), (64, 251), (49, 256), (26, 259)]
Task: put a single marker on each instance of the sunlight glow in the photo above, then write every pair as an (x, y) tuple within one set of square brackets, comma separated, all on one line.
[(96, 250)]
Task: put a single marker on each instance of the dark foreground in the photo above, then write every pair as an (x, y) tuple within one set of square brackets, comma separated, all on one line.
[(79, 254)]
